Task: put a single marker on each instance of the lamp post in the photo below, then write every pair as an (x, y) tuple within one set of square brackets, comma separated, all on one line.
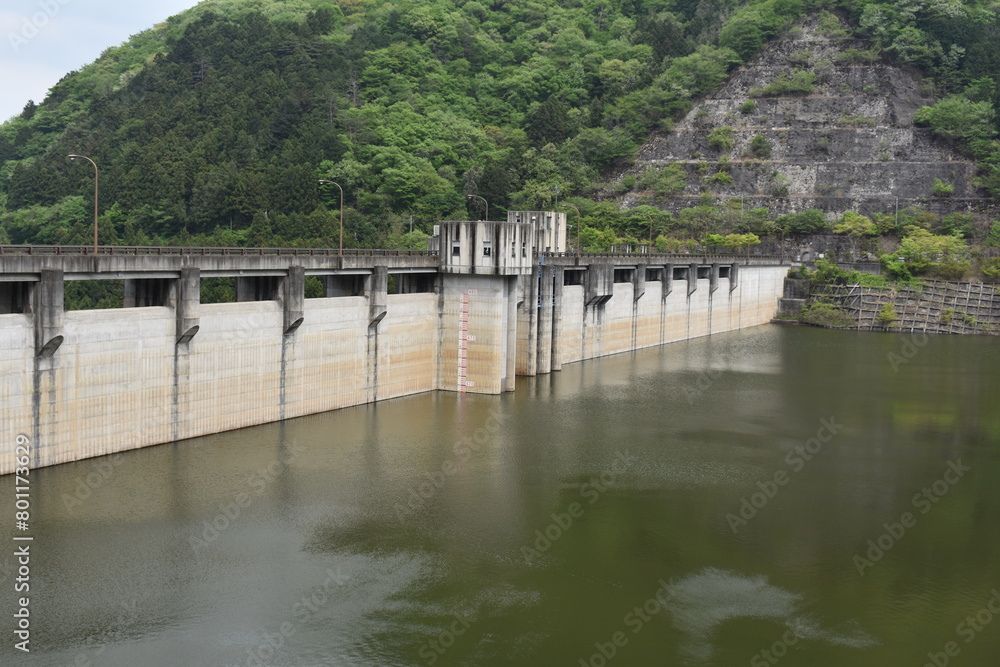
[(340, 252), (84, 157), (573, 206), (487, 218)]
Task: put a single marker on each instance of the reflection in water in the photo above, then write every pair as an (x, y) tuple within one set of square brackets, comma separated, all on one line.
[(700, 603), (391, 534)]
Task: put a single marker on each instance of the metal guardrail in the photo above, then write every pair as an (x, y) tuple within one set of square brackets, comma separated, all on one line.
[(705, 259), (208, 251), (216, 251)]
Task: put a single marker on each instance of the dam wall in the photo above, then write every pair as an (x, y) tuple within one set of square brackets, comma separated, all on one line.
[(586, 323), (167, 367), (121, 382)]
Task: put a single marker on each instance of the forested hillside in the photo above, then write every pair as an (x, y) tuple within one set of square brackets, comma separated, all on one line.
[(215, 126)]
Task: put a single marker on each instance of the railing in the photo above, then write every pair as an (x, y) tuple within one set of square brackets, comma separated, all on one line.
[(73, 250), (215, 251), (688, 259)]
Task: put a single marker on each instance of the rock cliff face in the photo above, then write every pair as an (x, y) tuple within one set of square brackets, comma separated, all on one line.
[(844, 141)]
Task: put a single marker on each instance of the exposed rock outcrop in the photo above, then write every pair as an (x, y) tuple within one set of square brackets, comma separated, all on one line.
[(846, 141)]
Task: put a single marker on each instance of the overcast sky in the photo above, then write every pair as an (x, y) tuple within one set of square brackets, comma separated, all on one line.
[(42, 40)]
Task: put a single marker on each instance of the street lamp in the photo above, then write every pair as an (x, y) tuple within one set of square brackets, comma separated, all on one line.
[(573, 206), (487, 218), (84, 157), (341, 251)]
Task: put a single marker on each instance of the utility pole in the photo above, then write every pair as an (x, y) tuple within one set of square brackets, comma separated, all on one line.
[(84, 157)]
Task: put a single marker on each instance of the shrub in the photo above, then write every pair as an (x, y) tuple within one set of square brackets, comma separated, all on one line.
[(942, 189), (721, 138), (887, 316), (852, 56), (781, 183), (797, 83), (760, 147), (946, 316), (828, 272), (748, 107), (721, 178), (824, 314), (866, 280), (671, 180)]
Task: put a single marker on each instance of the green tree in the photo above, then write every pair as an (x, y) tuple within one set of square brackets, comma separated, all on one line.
[(856, 226), (811, 221), (957, 117), (922, 253)]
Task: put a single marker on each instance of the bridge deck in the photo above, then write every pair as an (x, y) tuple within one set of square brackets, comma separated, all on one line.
[(25, 262)]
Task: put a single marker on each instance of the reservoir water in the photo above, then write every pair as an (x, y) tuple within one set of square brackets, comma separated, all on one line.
[(780, 495)]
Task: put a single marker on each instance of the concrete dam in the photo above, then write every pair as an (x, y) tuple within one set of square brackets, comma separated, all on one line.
[(488, 302)]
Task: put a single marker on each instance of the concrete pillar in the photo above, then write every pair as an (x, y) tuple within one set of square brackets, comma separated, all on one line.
[(47, 308), (293, 297), (692, 279), (734, 276), (188, 304), (600, 286), (545, 321), (132, 288), (557, 295), (639, 282), (531, 303), (713, 279), (511, 304), (667, 285), (377, 292)]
